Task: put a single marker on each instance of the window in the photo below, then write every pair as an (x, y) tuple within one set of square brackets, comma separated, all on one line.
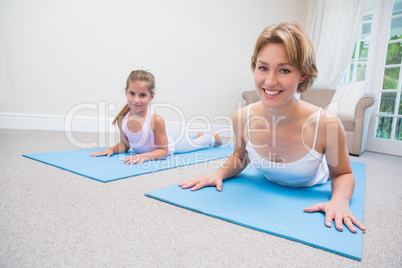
[(389, 115), (358, 64), (377, 58)]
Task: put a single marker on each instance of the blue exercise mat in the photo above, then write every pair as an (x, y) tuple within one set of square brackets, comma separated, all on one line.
[(250, 200), (111, 168)]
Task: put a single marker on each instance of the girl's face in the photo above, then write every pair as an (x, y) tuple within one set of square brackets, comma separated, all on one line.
[(138, 96), (275, 79)]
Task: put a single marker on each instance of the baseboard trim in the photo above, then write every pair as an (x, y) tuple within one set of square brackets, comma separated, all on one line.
[(22, 121), (50, 122)]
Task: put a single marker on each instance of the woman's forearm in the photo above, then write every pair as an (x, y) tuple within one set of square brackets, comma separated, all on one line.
[(343, 187), (233, 166)]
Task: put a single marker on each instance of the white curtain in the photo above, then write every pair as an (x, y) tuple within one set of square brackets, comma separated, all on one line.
[(334, 30)]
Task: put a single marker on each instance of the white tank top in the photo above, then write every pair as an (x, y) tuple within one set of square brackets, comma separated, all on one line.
[(144, 140), (312, 169)]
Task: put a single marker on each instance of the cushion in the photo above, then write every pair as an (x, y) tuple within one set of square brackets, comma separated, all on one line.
[(345, 99)]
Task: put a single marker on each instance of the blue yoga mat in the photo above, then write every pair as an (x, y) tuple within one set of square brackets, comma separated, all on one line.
[(107, 169), (250, 200)]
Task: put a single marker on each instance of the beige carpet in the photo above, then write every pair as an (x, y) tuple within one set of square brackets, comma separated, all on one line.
[(53, 218)]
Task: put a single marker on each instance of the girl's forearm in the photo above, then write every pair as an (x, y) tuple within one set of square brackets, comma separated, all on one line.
[(155, 155), (120, 148)]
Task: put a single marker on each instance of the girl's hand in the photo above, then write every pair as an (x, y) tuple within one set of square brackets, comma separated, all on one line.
[(202, 181), (134, 159), (341, 214), (108, 152)]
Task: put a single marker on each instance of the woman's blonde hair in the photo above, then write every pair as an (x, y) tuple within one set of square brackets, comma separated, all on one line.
[(137, 75), (298, 47)]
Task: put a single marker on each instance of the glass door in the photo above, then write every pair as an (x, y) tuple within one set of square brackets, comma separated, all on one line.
[(386, 134), (390, 109)]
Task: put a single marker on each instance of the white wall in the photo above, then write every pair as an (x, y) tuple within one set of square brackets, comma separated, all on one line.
[(58, 55)]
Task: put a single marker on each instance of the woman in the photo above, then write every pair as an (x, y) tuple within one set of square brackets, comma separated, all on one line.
[(292, 142)]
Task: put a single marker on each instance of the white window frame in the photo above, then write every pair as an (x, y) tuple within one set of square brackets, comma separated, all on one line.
[(355, 60), (376, 63)]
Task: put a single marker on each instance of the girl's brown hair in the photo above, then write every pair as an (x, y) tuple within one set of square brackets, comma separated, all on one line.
[(137, 75), (297, 45)]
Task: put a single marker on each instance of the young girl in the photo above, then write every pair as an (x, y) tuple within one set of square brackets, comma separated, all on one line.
[(291, 142), (144, 131)]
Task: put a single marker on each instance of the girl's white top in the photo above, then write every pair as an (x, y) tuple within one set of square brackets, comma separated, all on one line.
[(144, 140)]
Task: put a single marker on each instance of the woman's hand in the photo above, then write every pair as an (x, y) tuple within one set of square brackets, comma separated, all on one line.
[(108, 152), (338, 212), (202, 181), (135, 159)]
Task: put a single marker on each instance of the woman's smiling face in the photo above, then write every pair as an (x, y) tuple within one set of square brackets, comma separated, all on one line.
[(275, 79)]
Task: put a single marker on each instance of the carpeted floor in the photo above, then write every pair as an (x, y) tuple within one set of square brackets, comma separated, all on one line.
[(53, 218)]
